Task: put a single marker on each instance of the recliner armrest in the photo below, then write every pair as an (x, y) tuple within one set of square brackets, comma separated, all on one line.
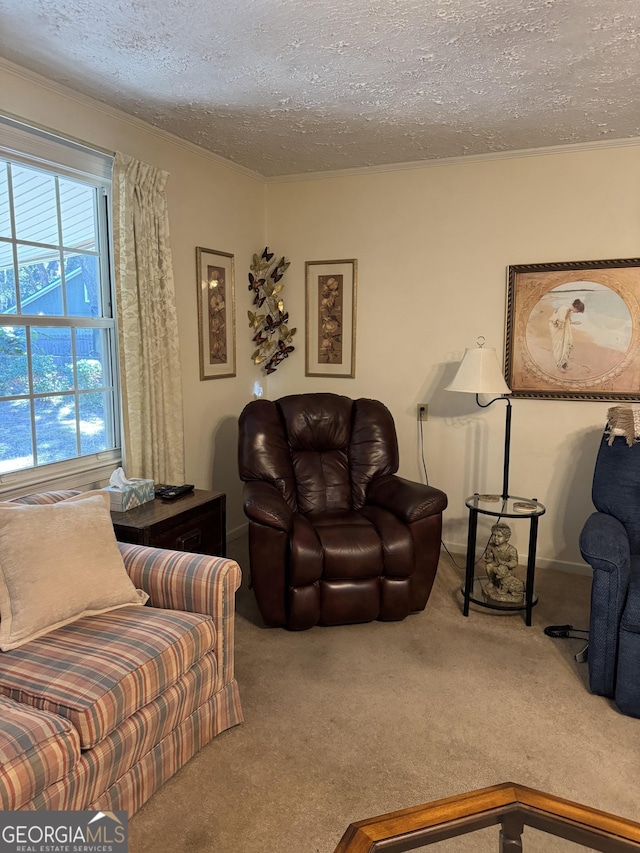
[(264, 504), (604, 544), (407, 500)]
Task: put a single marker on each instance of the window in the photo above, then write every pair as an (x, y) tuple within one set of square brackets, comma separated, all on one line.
[(59, 393)]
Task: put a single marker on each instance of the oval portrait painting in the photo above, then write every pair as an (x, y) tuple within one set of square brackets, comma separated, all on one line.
[(579, 330)]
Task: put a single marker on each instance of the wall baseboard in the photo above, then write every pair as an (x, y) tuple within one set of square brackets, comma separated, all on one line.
[(237, 532)]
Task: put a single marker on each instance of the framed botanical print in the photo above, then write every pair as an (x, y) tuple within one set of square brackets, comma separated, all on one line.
[(215, 274), (331, 318)]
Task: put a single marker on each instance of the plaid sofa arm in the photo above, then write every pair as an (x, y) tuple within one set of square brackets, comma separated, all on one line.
[(179, 580)]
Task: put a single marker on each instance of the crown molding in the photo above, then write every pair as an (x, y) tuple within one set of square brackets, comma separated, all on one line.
[(574, 147), (85, 101)]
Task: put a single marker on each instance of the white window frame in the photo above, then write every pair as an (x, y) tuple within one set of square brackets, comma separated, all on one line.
[(41, 148)]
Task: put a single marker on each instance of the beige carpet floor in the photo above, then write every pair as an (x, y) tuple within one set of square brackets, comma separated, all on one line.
[(346, 723)]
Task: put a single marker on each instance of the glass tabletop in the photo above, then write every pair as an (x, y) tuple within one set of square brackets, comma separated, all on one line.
[(509, 507), (477, 596)]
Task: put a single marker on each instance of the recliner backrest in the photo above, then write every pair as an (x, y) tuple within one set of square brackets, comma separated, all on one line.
[(616, 485), (320, 450)]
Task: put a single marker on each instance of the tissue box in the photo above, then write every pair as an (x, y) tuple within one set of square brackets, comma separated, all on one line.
[(127, 497)]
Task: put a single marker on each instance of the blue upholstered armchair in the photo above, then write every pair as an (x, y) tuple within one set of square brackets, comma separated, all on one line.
[(610, 543)]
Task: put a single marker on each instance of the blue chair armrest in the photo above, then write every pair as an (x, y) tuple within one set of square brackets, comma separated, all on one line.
[(628, 670), (604, 544)]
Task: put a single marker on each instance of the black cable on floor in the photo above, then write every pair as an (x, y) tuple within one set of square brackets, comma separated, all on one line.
[(561, 632)]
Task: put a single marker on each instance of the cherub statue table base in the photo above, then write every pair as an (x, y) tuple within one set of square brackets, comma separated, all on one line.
[(501, 559)]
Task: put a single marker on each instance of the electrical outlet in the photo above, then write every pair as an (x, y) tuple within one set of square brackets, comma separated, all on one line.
[(423, 412)]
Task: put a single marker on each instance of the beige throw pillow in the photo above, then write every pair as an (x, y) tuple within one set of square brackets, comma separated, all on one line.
[(58, 562)]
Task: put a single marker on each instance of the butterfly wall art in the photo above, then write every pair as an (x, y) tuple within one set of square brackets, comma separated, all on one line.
[(268, 320)]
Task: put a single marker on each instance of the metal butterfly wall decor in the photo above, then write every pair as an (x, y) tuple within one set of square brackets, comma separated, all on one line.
[(268, 321)]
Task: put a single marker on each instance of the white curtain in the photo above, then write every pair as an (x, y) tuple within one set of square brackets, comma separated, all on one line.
[(153, 436)]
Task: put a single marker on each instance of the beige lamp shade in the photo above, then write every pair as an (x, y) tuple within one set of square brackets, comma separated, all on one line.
[(479, 373)]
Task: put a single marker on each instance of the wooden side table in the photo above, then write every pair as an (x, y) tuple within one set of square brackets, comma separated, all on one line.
[(196, 522)]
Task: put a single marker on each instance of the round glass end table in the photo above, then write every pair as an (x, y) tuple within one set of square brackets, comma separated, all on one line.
[(501, 507)]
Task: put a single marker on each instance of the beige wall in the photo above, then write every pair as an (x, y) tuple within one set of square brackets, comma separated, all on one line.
[(212, 205), (433, 245)]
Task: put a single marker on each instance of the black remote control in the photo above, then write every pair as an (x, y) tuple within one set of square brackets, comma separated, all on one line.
[(170, 493)]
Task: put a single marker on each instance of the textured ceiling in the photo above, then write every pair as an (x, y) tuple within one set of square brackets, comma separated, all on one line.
[(292, 86)]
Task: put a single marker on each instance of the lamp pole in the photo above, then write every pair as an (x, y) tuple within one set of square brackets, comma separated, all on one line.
[(507, 442), (507, 450)]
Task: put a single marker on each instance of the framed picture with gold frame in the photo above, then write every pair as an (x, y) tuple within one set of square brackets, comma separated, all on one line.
[(573, 330), (215, 274), (331, 290)]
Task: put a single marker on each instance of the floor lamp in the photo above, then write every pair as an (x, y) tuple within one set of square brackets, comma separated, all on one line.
[(479, 373)]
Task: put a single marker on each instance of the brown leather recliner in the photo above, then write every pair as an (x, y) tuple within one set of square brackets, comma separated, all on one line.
[(334, 535)]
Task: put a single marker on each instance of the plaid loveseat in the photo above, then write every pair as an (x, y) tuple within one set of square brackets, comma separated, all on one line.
[(99, 713)]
